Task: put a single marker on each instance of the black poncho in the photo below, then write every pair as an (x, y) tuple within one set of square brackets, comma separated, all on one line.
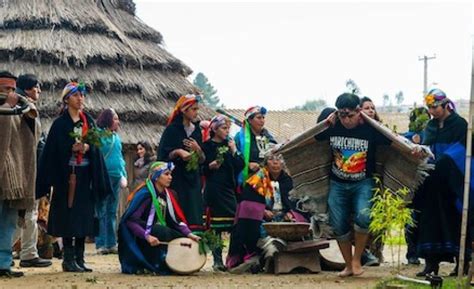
[(93, 181), (219, 194), (187, 184)]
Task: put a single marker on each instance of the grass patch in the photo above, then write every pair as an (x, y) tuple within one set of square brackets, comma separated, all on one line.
[(448, 283)]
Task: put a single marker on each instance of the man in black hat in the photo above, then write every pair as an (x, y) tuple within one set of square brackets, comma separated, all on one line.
[(29, 86)]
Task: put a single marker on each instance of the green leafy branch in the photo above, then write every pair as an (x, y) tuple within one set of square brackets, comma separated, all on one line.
[(389, 213), (209, 242), (193, 162), (420, 121), (221, 151), (92, 136)]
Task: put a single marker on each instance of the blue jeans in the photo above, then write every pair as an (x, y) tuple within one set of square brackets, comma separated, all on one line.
[(346, 199), (107, 213), (8, 218)]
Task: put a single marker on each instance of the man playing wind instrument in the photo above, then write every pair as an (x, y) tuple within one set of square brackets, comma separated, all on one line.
[(17, 170)]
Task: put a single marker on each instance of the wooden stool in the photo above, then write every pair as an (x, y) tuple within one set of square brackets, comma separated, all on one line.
[(304, 254)]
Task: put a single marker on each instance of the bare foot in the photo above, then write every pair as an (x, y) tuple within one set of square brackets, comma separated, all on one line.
[(357, 269), (346, 272)]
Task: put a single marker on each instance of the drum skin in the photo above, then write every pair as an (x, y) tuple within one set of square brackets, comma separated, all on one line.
[(183, 256)]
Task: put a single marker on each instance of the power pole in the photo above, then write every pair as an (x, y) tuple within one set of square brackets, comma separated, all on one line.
[(425, 80)]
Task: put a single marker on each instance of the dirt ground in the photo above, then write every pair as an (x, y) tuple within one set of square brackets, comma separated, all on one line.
[(107, 275)]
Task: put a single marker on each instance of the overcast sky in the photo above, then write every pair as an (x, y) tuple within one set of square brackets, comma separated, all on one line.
[(281, 54)]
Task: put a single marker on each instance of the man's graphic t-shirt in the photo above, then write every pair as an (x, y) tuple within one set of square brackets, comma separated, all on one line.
[(353, 151)]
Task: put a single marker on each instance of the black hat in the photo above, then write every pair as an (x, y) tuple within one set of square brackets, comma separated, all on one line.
[(26, 81)]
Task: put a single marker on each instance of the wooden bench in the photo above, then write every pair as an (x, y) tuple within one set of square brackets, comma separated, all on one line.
[(302, 254)]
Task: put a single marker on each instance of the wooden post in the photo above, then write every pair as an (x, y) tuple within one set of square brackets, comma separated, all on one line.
[(129, 155), (467, 177)]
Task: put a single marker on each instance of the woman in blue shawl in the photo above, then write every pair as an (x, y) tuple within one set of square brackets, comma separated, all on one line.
[(439, 200), (153, 216)]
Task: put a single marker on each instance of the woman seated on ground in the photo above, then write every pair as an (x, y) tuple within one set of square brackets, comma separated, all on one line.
[(265, 198), (153, 216), (279, 208)]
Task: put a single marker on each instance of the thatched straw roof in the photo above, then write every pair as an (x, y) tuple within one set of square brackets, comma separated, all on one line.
[(283, 124), (102, 43)]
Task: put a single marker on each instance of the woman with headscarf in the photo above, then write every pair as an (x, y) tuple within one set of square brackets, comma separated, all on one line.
[(253, 141), (440, 198), (106, 241), (76, 171), (181, 143), (223, 162), (279, 207), (153, 216)]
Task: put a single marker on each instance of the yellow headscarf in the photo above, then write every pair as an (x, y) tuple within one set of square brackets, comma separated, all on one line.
[(183, 103)]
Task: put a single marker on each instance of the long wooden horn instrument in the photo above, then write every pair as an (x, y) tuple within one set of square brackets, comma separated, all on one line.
[(231, 117), (24, 106)]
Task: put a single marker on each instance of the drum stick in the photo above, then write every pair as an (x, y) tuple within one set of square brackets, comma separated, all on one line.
[(180, 244)]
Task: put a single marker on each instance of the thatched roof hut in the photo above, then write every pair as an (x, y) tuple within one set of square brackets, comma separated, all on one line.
[(102, 43)]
